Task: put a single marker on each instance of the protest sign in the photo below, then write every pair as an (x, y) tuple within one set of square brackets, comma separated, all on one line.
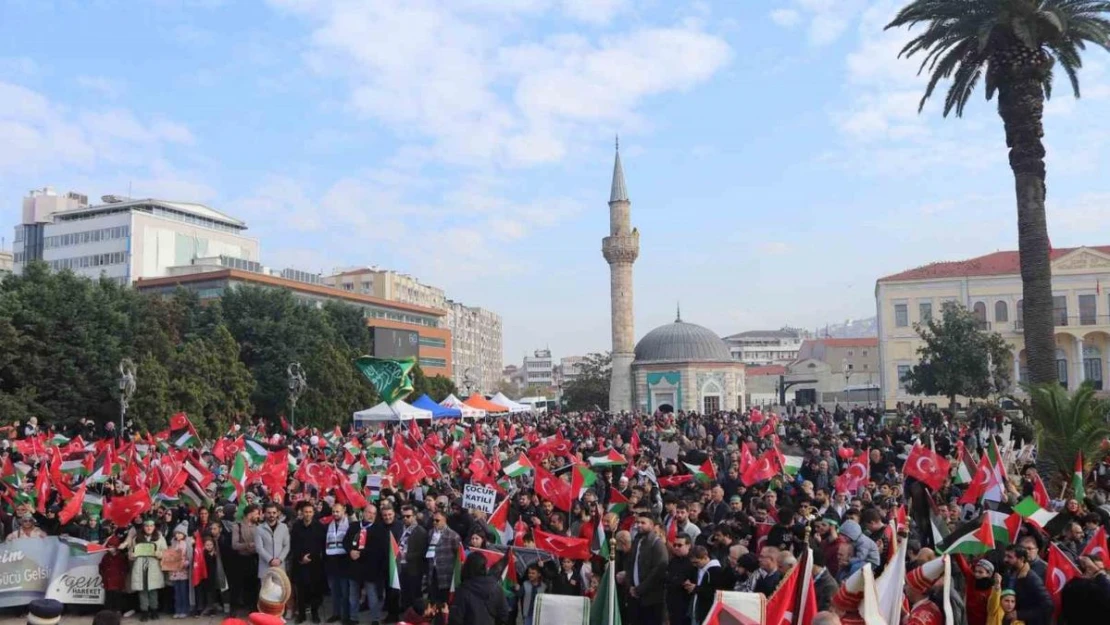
[(37, 568), (479, 498)]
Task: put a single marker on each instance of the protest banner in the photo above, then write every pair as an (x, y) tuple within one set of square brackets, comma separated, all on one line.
[(37, 568), (479, 498)]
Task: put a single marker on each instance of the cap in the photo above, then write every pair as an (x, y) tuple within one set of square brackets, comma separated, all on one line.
[(44, 612), (735, 498)]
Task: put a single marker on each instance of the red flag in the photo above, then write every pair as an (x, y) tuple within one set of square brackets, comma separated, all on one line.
[(520, 529), (415, 435), (1096, 547), (122, 510), (794, 601), (479, 468), (985, 480), (1059, 570), (746, 459), (1040, 493), (404, 465), (179, 422), (352, 496), (173, 475), (674, 481), (557, 446), (285, 427), (766, 467), (562, 546), (927, 466), (501, 430), (857, 475), (42, 489), (275, 470), (73, 506), (552, 489), (635, 443)]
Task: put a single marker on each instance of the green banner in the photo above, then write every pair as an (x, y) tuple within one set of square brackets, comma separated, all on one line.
[(392, 378)]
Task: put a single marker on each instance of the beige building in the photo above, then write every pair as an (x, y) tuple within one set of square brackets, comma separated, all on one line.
[(6, 262), (766, 347), (477, 356), (828, 371), (990, 286), (388, 285)]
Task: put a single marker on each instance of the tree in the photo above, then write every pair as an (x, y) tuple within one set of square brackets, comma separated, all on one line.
[(439, 387), (1013, 45), (508, 389), (591, 387), (959, 358), (1067, 424), (535, 390)]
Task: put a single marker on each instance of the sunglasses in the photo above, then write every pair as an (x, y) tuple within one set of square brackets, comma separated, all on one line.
[(406, 516)]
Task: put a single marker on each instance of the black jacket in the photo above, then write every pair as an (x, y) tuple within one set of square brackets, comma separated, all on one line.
[(706, 592), (479, 601), (679, 571), (373, 559), (652, 567), (1034, 604), (562, 585), (415, 562), (768, 583), (307, 540)]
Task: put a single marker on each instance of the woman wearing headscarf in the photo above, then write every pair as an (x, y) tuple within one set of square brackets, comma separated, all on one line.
[(145, 554)]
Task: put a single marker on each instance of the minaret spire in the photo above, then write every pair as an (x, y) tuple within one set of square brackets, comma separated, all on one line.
[(618, 193), (678, 312)]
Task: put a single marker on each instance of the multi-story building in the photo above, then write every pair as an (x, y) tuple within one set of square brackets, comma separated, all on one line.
[(570, 367), (124, 239), (6, 262), (477, 356), (990, 286), (389, 285), (539, 369), (211, 277), (765, 347)]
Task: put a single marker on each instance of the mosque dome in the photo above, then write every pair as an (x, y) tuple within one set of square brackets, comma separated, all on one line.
[(682, 342)]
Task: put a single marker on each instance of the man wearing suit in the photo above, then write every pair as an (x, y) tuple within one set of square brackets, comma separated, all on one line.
[(414, 548), (716, 510), (824, 583), (646, 573), (769, 572)]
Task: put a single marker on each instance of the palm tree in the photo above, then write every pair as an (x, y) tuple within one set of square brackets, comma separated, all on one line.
[(1013, 45), (1067, 424)]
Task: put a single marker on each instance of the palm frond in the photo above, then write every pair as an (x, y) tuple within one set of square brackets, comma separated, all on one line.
[(1067, 424)]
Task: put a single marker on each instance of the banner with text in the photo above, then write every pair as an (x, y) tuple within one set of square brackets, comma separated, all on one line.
[(52, 568)]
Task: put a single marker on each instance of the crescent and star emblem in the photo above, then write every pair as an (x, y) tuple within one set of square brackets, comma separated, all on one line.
[(1060, 580), (925, 461)]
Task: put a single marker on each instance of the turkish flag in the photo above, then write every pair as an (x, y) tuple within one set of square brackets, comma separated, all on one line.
[(926, 466), (122, 510), (557, 446), (764, 468), (317, 474), (1059, 570), (857, 475), (405, 466), (42, 489), (72, 507), (275, 470), (179, 422), (173, 475), (746, 458), (985, 480), (200, 566), (479, 468), (353, 497), (673, 481), (219, 450), (552, 489), (1096, 547), (1040, 493), (562, 546), (635, 443), (426, 463)]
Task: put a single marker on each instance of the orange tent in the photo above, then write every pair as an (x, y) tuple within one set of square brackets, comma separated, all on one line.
[(477, 401)]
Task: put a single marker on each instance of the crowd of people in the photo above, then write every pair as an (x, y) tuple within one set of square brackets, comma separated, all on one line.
[(369, 525)]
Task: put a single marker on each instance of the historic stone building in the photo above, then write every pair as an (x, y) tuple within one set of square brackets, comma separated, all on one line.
[(621, 248)]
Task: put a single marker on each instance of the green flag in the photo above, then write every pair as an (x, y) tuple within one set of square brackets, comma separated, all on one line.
[(392, 378), (604, 610)]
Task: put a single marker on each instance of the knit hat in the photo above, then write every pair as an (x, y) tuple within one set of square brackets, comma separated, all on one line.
[(923, 577), (986, 565), (44, 612), (182, 528)]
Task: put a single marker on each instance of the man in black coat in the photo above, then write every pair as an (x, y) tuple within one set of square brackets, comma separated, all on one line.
[(646, 574), (368, 545), (679, 571), (306, 562), (1034, 604), (769, 572), (414, 548)]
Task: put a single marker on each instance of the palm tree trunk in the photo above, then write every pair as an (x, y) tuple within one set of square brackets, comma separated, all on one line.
[(1021, 106)]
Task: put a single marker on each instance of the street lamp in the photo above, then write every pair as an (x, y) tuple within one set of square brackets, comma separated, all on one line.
[(847, 376), (126, 388), (297, 387)]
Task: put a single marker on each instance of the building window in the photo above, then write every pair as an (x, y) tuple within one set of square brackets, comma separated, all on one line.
[(1092, 365), (439, 363), (865, 353), (1060, 310), (851, 353), (1087, 310), (1062, 367), (901, 316), (1001, 311), (979, 310), (712, 404), (903, 371), (430, 341), (1019, 315)]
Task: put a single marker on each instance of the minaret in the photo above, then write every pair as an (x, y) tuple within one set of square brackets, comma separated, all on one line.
[(621, 248)]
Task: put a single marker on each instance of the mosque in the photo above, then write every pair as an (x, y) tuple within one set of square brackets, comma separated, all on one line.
[(678, 366)]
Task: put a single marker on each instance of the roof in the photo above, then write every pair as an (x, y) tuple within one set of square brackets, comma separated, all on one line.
[(293, 285), (777, 334), (766, 370), (864, 341), (1002, 263), (191, 208), (682, 342), (619, 192)]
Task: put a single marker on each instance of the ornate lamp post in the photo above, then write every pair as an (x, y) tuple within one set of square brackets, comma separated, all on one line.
[(126, 388), (297, 387), (847, 377)]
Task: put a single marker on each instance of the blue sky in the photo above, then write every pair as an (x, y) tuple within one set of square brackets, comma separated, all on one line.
[(774, 155)]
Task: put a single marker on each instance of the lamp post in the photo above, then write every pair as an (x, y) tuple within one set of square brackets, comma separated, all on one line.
[(126, 388), (847, 377), (297, 387)]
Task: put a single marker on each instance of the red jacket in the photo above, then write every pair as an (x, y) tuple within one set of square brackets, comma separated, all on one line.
[(114, 568)]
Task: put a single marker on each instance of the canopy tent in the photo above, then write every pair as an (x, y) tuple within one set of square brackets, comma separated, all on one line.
[(513, 407), (477, 401), (467, 411), (438, 412), (400, 411)]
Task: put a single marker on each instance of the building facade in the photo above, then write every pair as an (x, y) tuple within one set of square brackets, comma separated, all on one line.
[(7, 262), (990, 286), (124, 239), (210, 282), (477, 355), (388, 285), (766, 347), (539, 369), (621, 249)]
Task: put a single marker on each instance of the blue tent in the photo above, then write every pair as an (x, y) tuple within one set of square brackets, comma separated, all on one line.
[(438, 412)]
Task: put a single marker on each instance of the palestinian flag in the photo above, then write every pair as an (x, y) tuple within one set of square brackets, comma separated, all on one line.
[(256, 451), (705, 473), (499, 523), (508, 576), (456, 577), (618, 503), (182, 432), (195, 495), (973, 539), (604, 610), (1077, 479), (581, 480), (458, 432), (965, 465), (335, 437), (199, 472), (1005, 526), (609, 458), (59, 440), (75, 468), (9, 475), (791, 465), (521, 466), (352, 447), (237, 479), (394, 568), (93, 505), (599, 542), (377, 447), (1034, 513)]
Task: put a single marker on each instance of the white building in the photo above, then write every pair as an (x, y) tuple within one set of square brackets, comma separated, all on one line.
[(124, 239), (570, 367), (6, 262), (476, 352), (766, 347), (539, 369)]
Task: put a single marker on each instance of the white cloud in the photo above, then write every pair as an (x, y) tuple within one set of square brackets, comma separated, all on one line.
[(775, 248), (100, 84), (594, 11), (787, 18), (432, 69)]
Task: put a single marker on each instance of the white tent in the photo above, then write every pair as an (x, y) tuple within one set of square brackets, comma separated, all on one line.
[(400, 411), (467, 411), (513, 407)]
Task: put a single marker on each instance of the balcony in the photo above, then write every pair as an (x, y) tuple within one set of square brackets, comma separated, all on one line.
[(1060, 321)]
